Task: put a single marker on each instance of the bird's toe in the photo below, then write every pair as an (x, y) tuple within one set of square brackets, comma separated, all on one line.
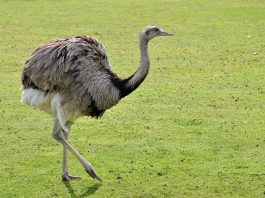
[(66, 177), (92, 173)]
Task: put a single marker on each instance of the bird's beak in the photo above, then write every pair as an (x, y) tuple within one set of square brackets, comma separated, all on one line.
[(164, 33)]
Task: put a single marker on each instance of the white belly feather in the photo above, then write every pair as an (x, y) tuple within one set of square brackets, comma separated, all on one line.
[(46, 102), (37, 98)]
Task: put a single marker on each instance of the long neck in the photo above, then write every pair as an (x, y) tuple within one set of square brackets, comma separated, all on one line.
[(138, 77)]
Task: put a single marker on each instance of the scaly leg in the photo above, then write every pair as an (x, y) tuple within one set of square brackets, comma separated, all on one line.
[(65, 175), (59, 136)]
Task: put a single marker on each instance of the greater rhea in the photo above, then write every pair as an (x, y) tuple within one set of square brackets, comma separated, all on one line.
[(71, 77)]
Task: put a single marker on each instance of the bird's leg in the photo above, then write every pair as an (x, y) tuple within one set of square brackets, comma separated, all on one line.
[(59, 136), (65, 175), (65, 160)]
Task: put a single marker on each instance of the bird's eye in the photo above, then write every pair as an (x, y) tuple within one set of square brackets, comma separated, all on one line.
[(156, 29), (147, 33)]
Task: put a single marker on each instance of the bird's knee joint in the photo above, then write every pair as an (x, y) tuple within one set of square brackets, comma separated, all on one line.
[(66, 130), (58, 136)]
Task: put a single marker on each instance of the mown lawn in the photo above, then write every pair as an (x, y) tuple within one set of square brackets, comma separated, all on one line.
[(195, 127)]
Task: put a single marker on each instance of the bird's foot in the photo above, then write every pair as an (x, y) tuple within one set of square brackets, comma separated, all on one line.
[(92, 173), (66, 177)]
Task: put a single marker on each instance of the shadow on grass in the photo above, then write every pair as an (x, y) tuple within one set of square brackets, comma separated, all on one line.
[(90, 190)]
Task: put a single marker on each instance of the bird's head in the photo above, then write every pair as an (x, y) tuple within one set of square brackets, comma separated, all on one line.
[(151, 32)]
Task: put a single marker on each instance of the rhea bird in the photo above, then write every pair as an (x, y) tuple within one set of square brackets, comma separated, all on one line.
[(71, 77)]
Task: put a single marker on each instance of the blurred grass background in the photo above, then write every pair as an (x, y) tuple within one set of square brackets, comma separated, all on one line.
[(195, 127)]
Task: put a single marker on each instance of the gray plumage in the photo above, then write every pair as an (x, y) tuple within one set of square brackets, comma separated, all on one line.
[(71, 77), (77, 67)]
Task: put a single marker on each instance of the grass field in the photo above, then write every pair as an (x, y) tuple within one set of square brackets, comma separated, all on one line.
[(195, 127)]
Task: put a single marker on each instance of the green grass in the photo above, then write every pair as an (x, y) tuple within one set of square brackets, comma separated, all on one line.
[(195, 127)]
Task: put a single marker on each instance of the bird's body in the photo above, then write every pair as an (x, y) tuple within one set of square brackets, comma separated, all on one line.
[(74, 70), (71, 77)]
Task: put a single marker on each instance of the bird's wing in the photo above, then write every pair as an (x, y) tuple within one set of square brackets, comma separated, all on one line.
[(77, 67), (61, 59)]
